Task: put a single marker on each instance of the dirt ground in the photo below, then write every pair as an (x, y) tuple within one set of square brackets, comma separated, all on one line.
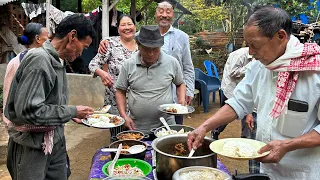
[(83, 142)]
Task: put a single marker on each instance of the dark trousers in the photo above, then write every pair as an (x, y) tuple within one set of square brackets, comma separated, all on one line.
[(179, 119), (25, 163), (215, 133)]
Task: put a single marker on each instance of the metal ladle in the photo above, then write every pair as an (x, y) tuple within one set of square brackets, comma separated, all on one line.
[(164, 122), (132, 150)]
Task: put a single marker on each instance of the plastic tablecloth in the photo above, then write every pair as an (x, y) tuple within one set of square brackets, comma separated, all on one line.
[(100, 158)]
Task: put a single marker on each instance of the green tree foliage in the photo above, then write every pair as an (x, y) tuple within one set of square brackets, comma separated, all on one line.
[(89, 5), (205, 16), (297, 7)]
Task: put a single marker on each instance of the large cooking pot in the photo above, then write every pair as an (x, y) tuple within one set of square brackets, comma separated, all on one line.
[(177, 127), (167, 163)]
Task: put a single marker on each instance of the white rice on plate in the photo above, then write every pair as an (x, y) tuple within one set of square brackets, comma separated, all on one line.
[(102, 121), (238, 149)]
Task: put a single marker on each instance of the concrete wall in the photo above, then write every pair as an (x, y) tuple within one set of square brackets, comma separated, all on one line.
[(2, 72), (83, 89)]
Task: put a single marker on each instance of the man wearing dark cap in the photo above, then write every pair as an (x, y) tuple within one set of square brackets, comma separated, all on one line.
[(148, 74)]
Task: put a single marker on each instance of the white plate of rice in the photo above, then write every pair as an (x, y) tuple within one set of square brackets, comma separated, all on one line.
[(238, 148), (103, 121), (176, 109)]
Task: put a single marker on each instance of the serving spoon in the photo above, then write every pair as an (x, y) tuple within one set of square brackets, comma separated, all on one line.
[(111, 166), (164, 122), (132, 150), (101, 110), (191, 152)]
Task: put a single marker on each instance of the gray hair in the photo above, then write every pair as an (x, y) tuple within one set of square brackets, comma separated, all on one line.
[(165, 3), (270, 20)]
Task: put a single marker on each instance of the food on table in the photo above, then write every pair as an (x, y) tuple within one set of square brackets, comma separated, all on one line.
[(201, 174), (179, 150), (127, 170), (164, 132), (130, 136), (238, 149), (176, 108)]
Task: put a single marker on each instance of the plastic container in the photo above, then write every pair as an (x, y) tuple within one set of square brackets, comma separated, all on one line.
[(144, 166)]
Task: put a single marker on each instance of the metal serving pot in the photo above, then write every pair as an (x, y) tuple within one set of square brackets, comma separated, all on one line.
[(173, 127), (143, 136), (167, 163), (221, 174), (130, 143), (126, 178)]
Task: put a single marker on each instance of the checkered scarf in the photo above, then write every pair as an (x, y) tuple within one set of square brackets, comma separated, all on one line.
[(297, 57), (48, 131)]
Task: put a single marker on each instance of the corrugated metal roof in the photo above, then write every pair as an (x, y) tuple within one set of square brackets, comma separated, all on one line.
[(3, 2)]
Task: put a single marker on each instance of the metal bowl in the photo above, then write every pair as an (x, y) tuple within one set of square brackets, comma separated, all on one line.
[(223, 175), (164, 147), (130, 143), (143, 136), (173, 127)]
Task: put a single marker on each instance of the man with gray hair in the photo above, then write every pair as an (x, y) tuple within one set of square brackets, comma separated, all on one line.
[(148, 74), (283, 84), (38, 107)]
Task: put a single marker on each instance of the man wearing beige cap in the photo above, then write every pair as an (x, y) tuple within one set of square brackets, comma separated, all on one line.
[(148, 74)]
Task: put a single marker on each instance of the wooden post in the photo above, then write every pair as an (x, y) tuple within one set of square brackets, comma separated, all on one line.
[(79, 6), (48, 3), (105, 18), (133, 9), (58, 4)]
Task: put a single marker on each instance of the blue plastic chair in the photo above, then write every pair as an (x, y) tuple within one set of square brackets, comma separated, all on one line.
[(208, 65), (206, 84)]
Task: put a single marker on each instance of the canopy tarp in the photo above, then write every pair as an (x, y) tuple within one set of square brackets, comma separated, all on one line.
[(3, 2)]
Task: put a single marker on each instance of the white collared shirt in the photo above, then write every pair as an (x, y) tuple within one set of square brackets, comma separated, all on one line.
[(258, 89), (234, 70), (166, 45)]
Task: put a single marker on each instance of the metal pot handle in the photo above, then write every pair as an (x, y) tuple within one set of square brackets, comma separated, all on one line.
[(153, 130), (146, 136), (114, 138)]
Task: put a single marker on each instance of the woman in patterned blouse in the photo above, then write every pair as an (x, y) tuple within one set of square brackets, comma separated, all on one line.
[(119, 49)]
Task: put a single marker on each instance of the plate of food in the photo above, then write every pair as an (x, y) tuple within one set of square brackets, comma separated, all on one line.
[(176, 109), (103, 121), (238, 148)]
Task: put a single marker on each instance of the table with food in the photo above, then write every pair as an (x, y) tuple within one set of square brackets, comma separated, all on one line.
[(163, 154)]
